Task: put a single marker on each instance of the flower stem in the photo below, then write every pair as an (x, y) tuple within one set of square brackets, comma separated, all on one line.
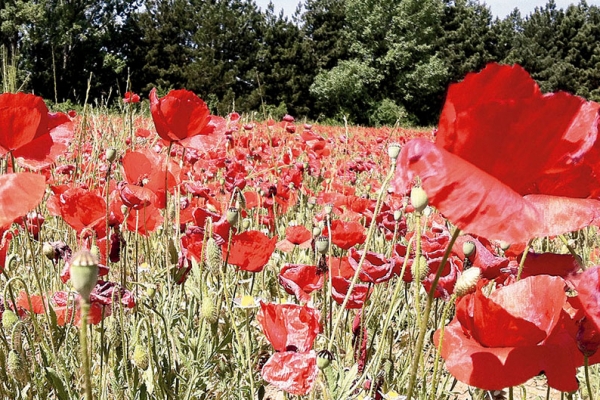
[(423, 326), (586, 367), (85, 359)]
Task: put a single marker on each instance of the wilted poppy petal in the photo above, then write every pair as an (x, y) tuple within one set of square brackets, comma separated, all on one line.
[(292, 372), (19, 193)]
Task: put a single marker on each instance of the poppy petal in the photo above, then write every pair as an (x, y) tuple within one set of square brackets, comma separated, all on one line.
[(19, 193), (292, 372)]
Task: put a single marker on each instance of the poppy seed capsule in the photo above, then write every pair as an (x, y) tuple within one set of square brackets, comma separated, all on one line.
[(418, 198), (467, 282), (111, 155), (232, 215), (469, 248), (316, 231), (322, 244), (324, 359), (397, 215), (48, 251), (84, 273), (394, 151)]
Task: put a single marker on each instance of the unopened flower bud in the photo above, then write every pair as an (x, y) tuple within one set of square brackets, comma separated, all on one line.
[(420, 269), (84, 273), (140, 358), (48, 251), (467, 282), (246, 223), (418, 198), (9, 319)]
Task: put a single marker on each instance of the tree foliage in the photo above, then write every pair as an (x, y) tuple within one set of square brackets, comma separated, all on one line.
[(370, 61)]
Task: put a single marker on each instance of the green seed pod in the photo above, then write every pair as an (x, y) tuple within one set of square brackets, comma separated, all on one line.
[(48, 251), (84, 273), (394, 151), (232, 215), (397, 215), (316, 232), (322, 244), (469, 248), (418, 198), (324, 359), (111, 155)]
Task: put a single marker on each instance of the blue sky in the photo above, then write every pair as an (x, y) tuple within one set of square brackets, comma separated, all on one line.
[(500, 8)]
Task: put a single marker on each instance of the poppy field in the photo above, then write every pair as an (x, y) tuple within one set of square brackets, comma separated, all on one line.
[(164, 252)]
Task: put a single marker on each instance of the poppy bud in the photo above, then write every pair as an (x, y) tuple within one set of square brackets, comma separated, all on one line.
[(232, 215), (9, 319), (151, 291), (111, 155), (140, 357), (328, 209), (467, 281), (213, 254), (208, 311), (423, 270), (418, 199), (84, 273), (469, 248), (311, 203), (246, 223), (322, 244), (394, 151), (15, 366), (324, 359)]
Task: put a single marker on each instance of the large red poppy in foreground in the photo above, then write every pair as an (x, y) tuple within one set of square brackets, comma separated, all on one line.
[(19, 193), (516, 333), (509, 162)]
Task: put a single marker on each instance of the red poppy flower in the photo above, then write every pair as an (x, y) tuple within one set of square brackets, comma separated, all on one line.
[(66, 308), (375, 269), (516, 333), (291, 330), (131, 97), (19, 193), (293, 372), (295, 236), (346, 234), (26, 129), (504, 156), (289, 326), (300, 280), (250, 250), (339, 289), (83, 209), (588, 288), (179, 115)]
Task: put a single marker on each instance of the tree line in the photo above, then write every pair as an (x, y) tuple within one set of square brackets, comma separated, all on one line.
[(367, 61)]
